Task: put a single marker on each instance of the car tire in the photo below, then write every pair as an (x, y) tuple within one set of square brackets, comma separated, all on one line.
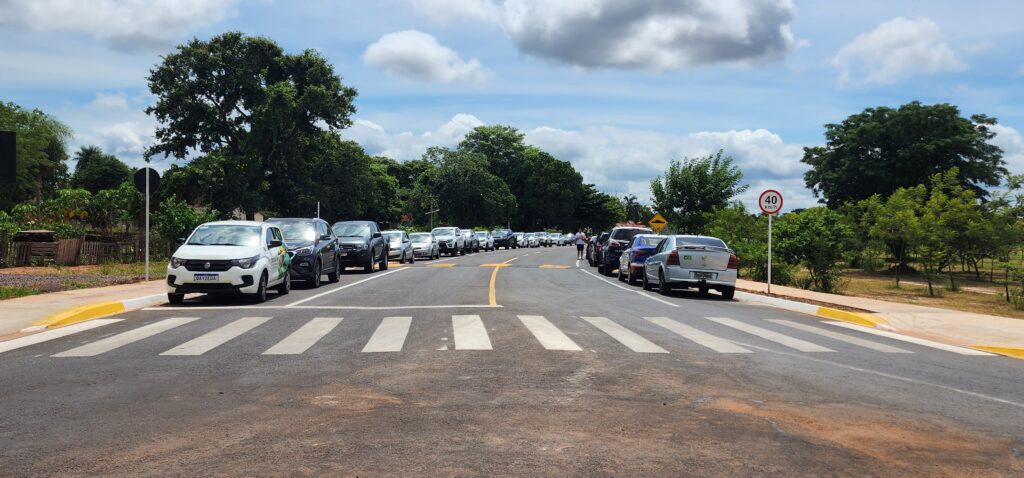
[(608, 270), (286, 285), (643, 280), (620, 276), (600, 269), (663, 287), (630, 277), (728, 293), (175, 299), (462, 252), (412, 258), (335, 275), (368, 267), (383, 260), (318, 272), (261, 291)]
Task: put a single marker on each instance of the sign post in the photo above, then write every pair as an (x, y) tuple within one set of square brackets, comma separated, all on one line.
[(147, 179), (770, 203), (657, 223)]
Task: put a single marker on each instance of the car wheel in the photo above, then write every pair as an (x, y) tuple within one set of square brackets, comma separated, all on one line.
[(318, 271), (728, 293), (368, 267), (175, 299), (286, 285), (384, 260), (600, 269), (412, 258), (663, 287), (608, 270), (621, 277), (631, 277), (462, 252), (335, 275), (261, 292), (643, 280)]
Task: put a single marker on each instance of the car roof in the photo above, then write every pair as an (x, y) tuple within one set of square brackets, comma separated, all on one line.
[(233, 223), (392, 230), (356, 222)]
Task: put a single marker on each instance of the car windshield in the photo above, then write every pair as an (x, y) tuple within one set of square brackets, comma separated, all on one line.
[(225, 235), (393, 236), (481, 234), (419, 237), (692, 241), (351, 229), (444, 231), (626, 234), (296, 230), (649, 241)]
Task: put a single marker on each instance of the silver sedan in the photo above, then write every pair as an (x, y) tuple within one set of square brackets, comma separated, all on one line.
[(425, 245)]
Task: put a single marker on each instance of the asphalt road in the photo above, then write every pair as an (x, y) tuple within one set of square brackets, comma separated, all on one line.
[(428, 370)]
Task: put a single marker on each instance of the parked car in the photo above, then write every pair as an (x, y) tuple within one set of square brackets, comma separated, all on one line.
[(504, 238), (594, 248), (424, 244), (450, 240), (685, 262), (617, 242), (531, 239), (556, 239), (632, 260), (472, 244), (312, 247), (399, 246), (361, 244), (486, 240), (542, 239), (520, 240), (230, 257)]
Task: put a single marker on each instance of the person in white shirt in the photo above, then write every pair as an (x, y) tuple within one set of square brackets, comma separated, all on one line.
[(581, 242)]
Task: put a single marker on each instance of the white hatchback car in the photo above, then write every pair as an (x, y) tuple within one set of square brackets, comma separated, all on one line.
[(230, 257)]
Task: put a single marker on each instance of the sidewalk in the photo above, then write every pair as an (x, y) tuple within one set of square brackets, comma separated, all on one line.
[(25, 312), (942, 325)]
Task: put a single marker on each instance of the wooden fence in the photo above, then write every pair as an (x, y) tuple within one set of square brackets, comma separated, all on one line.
[(70, 252)]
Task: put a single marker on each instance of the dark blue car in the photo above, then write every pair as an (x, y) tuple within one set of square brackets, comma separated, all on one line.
[(631, 263)]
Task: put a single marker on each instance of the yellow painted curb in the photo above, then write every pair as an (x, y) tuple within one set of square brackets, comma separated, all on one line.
[(81, 314), (1007, 351), (859, 318)]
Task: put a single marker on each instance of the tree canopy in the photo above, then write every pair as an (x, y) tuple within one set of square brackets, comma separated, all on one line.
[(96, 171), (41, 154), (694, 187)]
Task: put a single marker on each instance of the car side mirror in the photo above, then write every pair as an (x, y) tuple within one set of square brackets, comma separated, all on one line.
[(377, 235), (181, 240), (275, 243), (325, 237)]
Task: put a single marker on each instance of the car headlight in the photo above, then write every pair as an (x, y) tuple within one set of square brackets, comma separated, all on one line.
[(246, 263), (361, 247), (177, 262), (303, 250)]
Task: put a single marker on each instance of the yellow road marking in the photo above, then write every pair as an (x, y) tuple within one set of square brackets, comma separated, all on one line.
[(491, 293), (495, 265), (440, 265), (553, 266)]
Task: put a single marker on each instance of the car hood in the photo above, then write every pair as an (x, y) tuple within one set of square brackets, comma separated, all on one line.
[(353, 240), (292, 245), (216, 252)]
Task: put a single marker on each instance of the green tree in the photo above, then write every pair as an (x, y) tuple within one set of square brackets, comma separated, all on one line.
[(598, 210), (176, 219), (747, 236), (895, 222), (883, 149), (243, 98), (41, 155), (635, 211), (465, 190), (113, 207), (549, 191), (96, 171), (817, 238), (503, 147), (694, 187)]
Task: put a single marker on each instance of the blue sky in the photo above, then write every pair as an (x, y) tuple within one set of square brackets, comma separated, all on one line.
[(618, 88)]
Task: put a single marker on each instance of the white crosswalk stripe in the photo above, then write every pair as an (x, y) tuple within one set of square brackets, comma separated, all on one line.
[(842, 337), (470, 333), (793, 343), (304, 338), (209, 341), (717, 344), (625, 336), (547, 334), (116, 341), (390, 335), (913, 340), (53, 334)]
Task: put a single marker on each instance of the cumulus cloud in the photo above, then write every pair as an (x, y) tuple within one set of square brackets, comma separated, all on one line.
[(638, 34), (1012, 143), (110, 101), (124, 24), (416, 55), (896, 49), (406, 145)]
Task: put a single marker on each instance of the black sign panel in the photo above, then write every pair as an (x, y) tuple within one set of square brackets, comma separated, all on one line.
[(140, 180), (8, 160)]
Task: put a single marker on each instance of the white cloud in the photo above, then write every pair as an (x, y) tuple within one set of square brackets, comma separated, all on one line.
[(416, 55), (110, 101), (406, 145), (638, 34), (124, 24), (1012, 143), (896, 49)]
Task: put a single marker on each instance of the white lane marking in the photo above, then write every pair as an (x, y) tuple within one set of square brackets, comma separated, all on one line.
[(346, 286), (625, 336), (304, 338), (125, 338), (210, 340), (390, 335), (470, 333), (326, 307), (793, 343), (53, 334), (641, 292), (717, 344), (842, 337), (913, 340), (547, 334), (510, 260)]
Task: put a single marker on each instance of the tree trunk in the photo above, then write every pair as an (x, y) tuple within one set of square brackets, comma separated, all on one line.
[(250, 215), (1006, 282), (928, 275), (952, 283), (899, 267)]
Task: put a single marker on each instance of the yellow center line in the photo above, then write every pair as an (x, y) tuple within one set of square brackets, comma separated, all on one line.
[(441, 265), (553, 266), (492, 293)]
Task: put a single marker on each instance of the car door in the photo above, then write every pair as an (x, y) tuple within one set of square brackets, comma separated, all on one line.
[(406, 243), (328, 246), (656, 259), (273, 255)]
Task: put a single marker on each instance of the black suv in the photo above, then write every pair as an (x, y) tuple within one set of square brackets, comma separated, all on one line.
[(594, 248), (504, 238), (618, 241), (361, 245), (313, 249)]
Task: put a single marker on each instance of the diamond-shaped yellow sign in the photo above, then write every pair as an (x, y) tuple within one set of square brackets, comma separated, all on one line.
[(657, 222)]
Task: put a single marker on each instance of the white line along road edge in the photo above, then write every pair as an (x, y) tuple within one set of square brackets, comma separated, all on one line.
[(346, 286)]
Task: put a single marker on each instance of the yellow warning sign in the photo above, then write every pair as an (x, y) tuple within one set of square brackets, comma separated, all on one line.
[(657, 222)]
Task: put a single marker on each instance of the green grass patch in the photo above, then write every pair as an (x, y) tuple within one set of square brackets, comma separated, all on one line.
[(13, 292)]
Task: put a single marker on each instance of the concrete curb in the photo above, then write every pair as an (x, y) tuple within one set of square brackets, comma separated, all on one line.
[(1014, 352), (94, 311), (859, 318)]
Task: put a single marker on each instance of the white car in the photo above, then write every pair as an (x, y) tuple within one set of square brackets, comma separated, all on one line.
[(685, 262), (230, 257), (486, 240)]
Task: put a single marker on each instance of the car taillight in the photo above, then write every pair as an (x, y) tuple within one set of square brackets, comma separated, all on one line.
[(734, 262), (673, 258)]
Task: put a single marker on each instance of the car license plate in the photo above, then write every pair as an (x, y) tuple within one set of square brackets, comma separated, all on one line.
[(704, 275), (206, 277), (344, 254)]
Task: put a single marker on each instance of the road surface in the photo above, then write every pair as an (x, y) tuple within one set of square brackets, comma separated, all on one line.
[(519, 362)]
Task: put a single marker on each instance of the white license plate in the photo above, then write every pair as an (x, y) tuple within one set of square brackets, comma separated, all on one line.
[(704, 275), (343, 254), (206, 277)]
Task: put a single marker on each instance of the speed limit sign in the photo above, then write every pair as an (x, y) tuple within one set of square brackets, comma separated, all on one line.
[(770, 202)]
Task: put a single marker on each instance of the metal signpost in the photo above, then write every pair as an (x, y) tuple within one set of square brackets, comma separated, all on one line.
[(147, 179), (657, 223), (770, 203)]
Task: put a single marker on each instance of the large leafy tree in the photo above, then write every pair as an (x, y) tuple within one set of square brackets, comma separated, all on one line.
[(548, 191), (883, 149), (597, 210), (41, 154), (96, 171), (245, 99), (503, 147), (694, 187), (464, 189), (816, 238)]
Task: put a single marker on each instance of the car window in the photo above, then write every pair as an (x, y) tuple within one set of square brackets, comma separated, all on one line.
[(270, 235), (702, 241), (297, 230), (350, 229), (393, 235), (626, 234), (647, 241), (322, 229), (420, 237), (225, 235)]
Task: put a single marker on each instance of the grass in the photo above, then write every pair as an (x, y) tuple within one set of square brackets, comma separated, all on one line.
[(24, 281), (971, 296), (13, 292)]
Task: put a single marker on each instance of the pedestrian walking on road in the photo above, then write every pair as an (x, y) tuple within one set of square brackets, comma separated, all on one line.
[(581, 242)]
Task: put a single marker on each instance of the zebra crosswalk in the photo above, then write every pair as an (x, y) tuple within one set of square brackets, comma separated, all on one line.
[(470, 332)]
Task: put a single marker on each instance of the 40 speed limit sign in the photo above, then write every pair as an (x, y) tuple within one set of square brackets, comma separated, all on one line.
[(770, 202)]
